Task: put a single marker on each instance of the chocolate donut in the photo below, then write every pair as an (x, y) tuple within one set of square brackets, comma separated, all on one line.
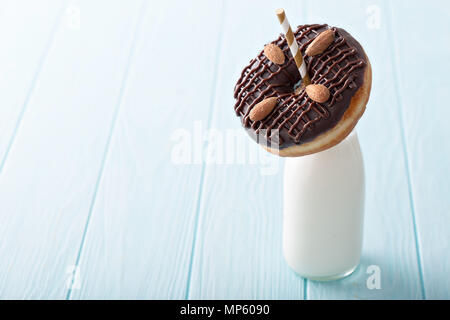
[(298, 125)]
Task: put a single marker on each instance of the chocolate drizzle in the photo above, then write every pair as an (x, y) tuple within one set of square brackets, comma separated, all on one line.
[(297, 118)]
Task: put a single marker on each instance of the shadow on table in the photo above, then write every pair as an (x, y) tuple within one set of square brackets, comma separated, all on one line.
[(362, 284)]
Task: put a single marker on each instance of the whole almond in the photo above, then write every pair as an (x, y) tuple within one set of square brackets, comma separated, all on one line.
[(318, 93), (274, 53), (262, 109), (320, 43)]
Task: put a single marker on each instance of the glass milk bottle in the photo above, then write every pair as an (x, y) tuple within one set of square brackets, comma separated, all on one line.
[(324, 210)]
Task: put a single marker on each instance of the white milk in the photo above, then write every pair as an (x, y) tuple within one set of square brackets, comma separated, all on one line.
[(324, 210)]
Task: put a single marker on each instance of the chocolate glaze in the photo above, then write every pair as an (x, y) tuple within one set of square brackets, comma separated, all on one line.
[(299, 119)]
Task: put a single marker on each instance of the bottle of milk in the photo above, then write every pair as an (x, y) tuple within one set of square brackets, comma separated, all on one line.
[(324, 211)]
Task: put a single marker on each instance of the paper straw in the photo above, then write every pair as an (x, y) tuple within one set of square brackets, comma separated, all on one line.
[(293, 46)]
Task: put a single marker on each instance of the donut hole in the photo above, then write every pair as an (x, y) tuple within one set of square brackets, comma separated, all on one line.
[(297, 118)]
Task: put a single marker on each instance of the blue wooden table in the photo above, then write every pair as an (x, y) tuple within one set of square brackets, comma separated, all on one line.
[(95, 202)]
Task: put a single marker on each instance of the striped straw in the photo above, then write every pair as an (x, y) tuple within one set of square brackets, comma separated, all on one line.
[(293, 45)]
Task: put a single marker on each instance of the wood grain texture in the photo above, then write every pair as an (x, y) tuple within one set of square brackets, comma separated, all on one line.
[(139, 241), (425, 114), (49, 175), (389, 227), (27, 30), (237, 252), (92, 117)]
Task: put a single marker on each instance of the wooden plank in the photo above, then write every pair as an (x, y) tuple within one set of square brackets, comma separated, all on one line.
[(50, 174), (26, 30), (389, 230), (421, 47), (238, 242), (139, 242)]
